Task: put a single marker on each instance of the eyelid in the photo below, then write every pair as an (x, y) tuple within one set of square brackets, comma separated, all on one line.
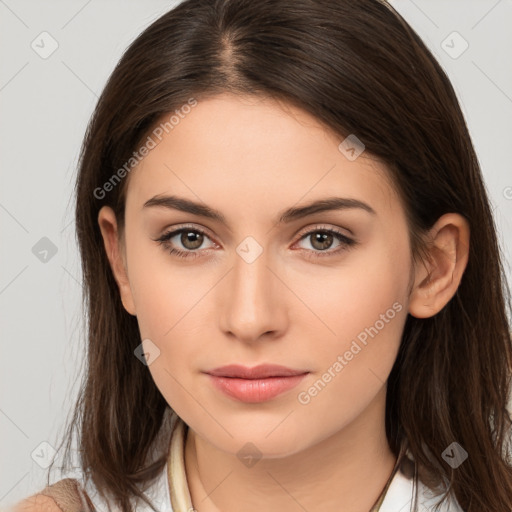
[(174, 230), (323, 227)]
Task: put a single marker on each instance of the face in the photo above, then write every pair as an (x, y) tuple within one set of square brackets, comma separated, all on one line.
[(324, 293)]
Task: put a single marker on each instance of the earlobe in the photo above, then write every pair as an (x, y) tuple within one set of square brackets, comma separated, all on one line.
[(436, 279), (113, 248)]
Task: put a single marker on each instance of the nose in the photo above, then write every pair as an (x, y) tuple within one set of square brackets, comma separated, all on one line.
[(253, 302)]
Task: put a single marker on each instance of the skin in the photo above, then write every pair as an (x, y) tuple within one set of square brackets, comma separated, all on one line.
[(251, 158)]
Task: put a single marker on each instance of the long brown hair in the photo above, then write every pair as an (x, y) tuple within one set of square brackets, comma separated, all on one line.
[(358, 67)]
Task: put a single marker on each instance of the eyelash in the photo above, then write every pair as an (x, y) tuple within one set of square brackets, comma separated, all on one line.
[(345, 242)]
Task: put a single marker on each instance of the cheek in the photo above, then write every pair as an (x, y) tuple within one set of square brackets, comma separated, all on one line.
[(172, 305), (169, 310), (364, 305), (163, 292), (353, 366), (346, 300)]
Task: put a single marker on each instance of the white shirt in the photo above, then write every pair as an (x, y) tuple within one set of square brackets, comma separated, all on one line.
[(398, 498)]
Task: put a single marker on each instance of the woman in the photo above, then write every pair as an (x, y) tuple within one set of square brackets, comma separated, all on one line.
[(294, 290)]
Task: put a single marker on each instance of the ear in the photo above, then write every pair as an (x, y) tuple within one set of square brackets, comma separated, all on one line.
[(436, 280), (115, 252)]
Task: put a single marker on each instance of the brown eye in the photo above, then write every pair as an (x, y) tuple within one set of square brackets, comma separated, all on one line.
[(186, 242), (321, 240), (191, 239)]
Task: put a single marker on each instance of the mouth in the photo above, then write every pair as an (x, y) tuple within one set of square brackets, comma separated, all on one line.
[(262, 371), (255, 385)]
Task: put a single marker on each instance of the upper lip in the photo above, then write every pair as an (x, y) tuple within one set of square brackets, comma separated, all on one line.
[(261, 371)]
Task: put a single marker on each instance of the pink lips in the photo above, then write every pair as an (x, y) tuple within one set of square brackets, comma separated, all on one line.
[(258, 384)]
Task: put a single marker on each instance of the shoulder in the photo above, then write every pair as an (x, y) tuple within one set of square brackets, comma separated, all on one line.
[(441, 501), (36, 503), (64, 495), (405, 490)]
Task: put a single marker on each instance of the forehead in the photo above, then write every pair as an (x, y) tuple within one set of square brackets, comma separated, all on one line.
[(242, 155)]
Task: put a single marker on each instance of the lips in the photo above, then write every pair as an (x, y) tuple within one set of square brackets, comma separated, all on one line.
[(263, 371), (254, 385)]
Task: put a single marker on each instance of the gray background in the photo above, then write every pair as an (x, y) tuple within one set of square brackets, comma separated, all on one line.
[(45, 105)]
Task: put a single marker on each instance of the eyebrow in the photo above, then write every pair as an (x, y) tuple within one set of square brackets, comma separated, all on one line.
[(288, 215)]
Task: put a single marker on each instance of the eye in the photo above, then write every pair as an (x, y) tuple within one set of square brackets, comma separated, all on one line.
[(322, 239), (191, 239)]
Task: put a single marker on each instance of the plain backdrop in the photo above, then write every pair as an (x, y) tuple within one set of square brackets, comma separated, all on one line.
[(55, 59)]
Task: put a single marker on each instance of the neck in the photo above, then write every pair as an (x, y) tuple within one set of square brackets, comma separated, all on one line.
[(346, 471)]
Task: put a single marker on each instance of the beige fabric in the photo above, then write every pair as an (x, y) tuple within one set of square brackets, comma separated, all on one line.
[(68, 496), (181, 500)]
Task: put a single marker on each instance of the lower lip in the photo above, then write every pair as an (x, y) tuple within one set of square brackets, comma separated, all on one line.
[(255, 390)]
